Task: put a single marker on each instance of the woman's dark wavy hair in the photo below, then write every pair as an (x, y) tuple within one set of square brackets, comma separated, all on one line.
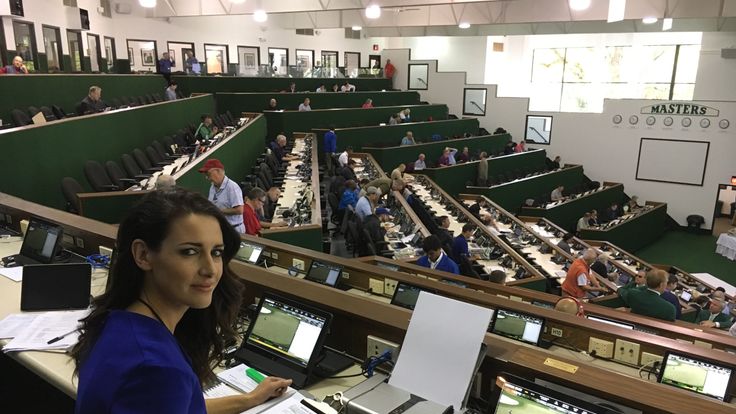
[(202, 333)]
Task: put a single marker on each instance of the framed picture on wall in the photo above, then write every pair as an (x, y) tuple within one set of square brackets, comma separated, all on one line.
[(131, 56), (419, 76), (250, 60), (172, 56), (147, 57), (474, 101), (538, 129)]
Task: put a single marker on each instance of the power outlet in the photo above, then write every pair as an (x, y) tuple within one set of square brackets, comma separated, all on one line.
[(377, 345), (627, 352), (345, 275), (299, 264), (376, 286), (79, 242), (602, 348), (648, 359), (389, 286), (275, 256), (105, 251), (557, 332)]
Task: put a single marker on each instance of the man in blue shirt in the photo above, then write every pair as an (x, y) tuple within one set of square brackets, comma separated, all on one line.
[(670, 297), (408, 139), (278, 148), (164, 66), (435, 258), (224, 193), (330, 147), (365, 205), (460, 243)]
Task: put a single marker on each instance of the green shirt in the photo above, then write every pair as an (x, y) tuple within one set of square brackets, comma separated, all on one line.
[(203, 132)]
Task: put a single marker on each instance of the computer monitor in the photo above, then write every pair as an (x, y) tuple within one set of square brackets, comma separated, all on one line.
[(513, 394), (285, 339), (702, 376), (516, 325), (610, 322), (249, 252), (406, 295), (326, 274), (41, 241)]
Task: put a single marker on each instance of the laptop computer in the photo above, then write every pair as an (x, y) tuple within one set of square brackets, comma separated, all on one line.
[(285, 339), (55, 286), (39, 244), (324, 273)]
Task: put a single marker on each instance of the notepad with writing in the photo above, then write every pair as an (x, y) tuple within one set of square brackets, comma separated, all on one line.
[(235, 381)]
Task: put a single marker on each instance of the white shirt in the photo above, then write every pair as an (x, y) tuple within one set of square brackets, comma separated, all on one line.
[(556, 194), (304, 108), (343, 158), (434, 264), (348, 88)]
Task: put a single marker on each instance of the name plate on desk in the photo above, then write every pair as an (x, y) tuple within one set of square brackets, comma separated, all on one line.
[(564, 366)]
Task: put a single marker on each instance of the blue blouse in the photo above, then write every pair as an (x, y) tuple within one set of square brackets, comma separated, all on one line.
[(137, 366)]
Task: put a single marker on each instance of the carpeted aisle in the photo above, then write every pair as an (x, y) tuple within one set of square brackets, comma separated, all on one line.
[(692, 253)]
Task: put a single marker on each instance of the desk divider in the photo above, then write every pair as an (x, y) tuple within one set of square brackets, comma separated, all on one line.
[(258, 101), (635, 233), (190, 84)]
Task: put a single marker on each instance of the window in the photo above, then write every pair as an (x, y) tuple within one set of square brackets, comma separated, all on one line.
[(142, 54), (352, 64), (75, 49), (25, 43), (110, 53), (216, 58), (52, 46), (304, 61), (181, 54), (278, 60), (578, 79), (93, 51)]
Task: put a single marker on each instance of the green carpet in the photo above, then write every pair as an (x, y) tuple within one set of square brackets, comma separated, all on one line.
[(692, 253)]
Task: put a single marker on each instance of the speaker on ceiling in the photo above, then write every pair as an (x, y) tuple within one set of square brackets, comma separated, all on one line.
[(16, 8)]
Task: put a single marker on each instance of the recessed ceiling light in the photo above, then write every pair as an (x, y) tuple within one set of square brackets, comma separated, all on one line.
[(357, 28), (667, 24), (649, 20), (464, 25), (373, 11), (147, 3), (260, 16), (579, 4)]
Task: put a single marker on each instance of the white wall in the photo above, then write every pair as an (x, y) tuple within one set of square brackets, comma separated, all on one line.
[(715, 79)]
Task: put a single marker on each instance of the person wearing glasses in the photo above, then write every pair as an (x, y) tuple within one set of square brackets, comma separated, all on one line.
[(254, 202), (152, 339)]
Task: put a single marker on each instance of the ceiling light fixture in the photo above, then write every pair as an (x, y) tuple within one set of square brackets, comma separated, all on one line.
[(149, 4), (616, 10), (464, 25), (260, 16), (667, 24), (579, 5), (649, 20), (357, 28), (373, 11)]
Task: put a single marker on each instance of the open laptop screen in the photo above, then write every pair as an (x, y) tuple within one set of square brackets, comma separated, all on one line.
[(697, 375), (41, 240), (249, 252), (324, 273), (516, 325)]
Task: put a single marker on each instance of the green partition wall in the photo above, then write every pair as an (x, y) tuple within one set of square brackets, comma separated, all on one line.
[(257, 101), (389, 157), (633, 234), (566, 215), (454, 179), (295, 121), (60, 148), (390, 135), (67, 90), (511, 195), (190, 84)]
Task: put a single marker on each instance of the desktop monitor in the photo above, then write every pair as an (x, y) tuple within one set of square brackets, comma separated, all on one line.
[(285, 339), (324, 273), (406, 295), (697, 375), (610, 322), (516, 325), (249, 252), (513, 394), (41, 241)]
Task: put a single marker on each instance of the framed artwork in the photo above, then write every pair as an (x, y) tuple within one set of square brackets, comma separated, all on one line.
[(250, 60), (538, 129), (474, 101), (172, 56), (419, 77), (147, 57), (131, 56)]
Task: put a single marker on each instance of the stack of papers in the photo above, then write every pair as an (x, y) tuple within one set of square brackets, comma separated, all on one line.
[(235, 381), (13, 273), (33, 331)]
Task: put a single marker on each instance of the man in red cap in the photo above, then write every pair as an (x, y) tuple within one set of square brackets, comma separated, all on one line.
[(224, 193)]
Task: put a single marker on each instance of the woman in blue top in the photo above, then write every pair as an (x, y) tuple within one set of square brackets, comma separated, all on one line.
[(152, 339)]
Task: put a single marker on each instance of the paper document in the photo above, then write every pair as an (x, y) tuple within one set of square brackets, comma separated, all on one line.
[(407, 239), (236, 377), (220, 390), (13, 273), (439, 354), (13, 324), (45, 327)]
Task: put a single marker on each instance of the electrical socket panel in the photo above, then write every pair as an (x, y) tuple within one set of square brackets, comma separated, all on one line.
[(556, 332), (627, 352), (648, 359), (389, 286), (345, 275), (297, 263), (376, 346), (376, 286), (602, 348)]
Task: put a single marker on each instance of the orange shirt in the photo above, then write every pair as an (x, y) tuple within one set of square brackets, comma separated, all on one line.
[(389, 70), (570, 286)]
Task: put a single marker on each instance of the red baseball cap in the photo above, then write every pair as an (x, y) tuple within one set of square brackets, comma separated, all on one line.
[(210, 164)]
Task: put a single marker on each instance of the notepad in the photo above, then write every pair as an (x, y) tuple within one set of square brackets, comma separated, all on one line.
[(235, 381)]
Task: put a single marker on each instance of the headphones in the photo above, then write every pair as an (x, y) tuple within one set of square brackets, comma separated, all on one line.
[(581, 311)]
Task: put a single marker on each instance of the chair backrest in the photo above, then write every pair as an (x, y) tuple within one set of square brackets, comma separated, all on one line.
[(32, 111), (115, 102), (168, 142), (48, 113), (70, 188), (159, 148), (97, 177), (153, 156), (20, 118), (141, 159), (131, 167), (58, 112), (125, 101), (150, 99), (115, 173), (157, 97), (79, 109)]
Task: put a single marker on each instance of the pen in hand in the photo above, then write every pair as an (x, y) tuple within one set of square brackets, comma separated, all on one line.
[(60, 337)]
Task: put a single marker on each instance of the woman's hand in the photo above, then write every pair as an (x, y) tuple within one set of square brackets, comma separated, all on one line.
[(270, 387)]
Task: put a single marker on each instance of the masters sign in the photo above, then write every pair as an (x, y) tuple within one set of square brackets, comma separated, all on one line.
[(679, 108)]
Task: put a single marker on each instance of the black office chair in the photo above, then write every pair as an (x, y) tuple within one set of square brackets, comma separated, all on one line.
[(132, 168), (157, 97), (70, 188), (156, 158), (118, 177), (32, 111), (79, 109), (48, 113), (20, 118), (126, 101), (150, 99), (97, 177), (58, 112), (115, 103), (143, 162), (694, 222)]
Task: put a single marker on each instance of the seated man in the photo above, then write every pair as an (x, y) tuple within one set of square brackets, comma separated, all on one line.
[(342, 159), (365, 205), (648, 301), (348, 171), (304, 106), (601, 267), (477, 207), (170, 92), (405, 115), (611, 213), (509, 148), (419, 164), (444, 160), (497, 276), (269, 207), (373, 225), (633, 203), (347, 87), (444, 234), (394, 120), (564, 243), (278, 147), (583, 222), (92, 103), (639, 282), (165, 182), (435, 258), (368, 104), (17, 68), (570, 306), (555, 164), (671, 297), (578, 282), (272, 105), (408, 139), (713, 317), (460, 243), (556, 194), (593, 218), (464, 155), (350, 196), (254, 201), (206, 130)]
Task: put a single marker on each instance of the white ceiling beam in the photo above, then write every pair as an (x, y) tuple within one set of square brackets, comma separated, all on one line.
[(225, 9), (171, 6)]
